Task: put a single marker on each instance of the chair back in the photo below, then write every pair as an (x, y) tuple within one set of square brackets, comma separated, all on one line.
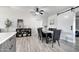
[(40, 33), (56, 35), (52, 29)]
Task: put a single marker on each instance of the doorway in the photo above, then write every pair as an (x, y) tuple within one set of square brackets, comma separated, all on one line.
[(77, 30)]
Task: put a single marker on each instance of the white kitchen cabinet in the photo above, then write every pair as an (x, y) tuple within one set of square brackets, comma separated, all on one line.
[(9, 45)]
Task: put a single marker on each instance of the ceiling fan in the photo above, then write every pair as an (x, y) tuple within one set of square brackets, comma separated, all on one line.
[(38, 11)]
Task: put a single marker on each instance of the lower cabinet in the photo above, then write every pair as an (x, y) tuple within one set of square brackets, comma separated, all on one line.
[(9, 45)]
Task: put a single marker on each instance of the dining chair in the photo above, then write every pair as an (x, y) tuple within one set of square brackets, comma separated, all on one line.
[(50, 35), (52, 29), (42, 35), (39, 34), (56, 36)]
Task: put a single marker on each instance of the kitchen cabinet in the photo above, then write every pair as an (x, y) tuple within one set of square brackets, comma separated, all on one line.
[(9, 45)]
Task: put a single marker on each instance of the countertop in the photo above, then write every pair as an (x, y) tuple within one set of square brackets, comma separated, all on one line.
[(5, 36)]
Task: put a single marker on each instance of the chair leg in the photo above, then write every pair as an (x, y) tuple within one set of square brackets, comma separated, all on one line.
[(52, 44), (58, 42), (47, 41), (39, 37), (42, 39)]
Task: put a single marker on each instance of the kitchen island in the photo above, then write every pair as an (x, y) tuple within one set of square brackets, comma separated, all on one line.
[(8, 42)]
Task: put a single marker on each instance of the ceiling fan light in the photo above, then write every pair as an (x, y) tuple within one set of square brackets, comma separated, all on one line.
[(37, 13)]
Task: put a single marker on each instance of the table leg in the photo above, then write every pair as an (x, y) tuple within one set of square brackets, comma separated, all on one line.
[(46, 38)]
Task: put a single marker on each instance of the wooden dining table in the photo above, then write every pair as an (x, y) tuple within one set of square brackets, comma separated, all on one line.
[(47, 32)]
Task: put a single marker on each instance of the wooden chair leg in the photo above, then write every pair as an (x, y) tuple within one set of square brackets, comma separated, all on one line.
[(58, 42)]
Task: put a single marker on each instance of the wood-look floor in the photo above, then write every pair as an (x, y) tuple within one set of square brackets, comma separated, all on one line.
[(33, 44), (77, 42)]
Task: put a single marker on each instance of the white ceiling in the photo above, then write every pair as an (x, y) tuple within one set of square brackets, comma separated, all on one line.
[(48, 9)]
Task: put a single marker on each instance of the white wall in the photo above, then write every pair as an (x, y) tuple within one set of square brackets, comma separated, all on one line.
[(64, 22), (14, 14), (44, 18)]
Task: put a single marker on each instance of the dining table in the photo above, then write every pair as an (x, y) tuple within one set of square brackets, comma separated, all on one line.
[(48, 32)]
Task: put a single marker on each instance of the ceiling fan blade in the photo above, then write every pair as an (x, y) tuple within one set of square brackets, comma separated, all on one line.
[(41, 12)]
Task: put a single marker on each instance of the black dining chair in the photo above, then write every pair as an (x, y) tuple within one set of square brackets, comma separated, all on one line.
[(41, 34), (50, 35), (56, 37), (52, 29)]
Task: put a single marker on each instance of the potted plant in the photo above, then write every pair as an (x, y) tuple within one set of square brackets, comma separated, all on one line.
[(8, 23)]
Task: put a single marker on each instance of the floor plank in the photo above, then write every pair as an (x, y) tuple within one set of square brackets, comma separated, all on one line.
[(33, 44)]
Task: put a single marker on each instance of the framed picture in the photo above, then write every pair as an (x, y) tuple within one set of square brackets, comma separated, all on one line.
[(51, 21)]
